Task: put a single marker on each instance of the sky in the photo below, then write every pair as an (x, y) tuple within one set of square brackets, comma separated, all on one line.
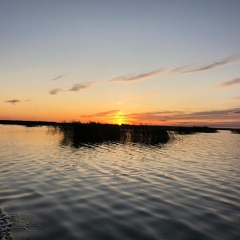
[(154, 62)]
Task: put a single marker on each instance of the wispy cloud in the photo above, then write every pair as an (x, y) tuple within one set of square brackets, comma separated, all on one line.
[(185, 118), (230, 82), (152, 117), (208, 67), (224, 117), (81, 86), (235, 112), (101, 114), (137, 77), (58, 77), (223, 112), (238, 97), (55, 91), (75, 88), (181, 69), (191, 68), (15, 101)]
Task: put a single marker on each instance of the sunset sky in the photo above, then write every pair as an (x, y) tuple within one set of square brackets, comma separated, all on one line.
[(158, 62)]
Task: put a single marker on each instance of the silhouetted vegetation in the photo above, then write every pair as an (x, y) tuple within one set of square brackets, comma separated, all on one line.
[(192, 130), (76, 133), (144, 134), (236, 131)]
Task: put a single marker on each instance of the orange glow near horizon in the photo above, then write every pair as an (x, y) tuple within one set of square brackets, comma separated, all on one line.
[(119, 118), (114, 116)]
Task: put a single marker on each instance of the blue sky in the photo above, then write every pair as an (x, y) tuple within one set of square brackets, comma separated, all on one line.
[(121, 61)]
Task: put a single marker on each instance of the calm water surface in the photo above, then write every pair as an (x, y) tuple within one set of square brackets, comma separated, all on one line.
[(186, 189)]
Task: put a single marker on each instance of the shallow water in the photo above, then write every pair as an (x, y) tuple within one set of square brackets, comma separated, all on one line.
[(188, 188)]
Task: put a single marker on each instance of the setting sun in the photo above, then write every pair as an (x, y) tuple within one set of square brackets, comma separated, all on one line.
[(119, 118)]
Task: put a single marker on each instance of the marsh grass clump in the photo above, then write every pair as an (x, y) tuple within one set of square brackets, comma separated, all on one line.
[(76, 133), (144, 134)]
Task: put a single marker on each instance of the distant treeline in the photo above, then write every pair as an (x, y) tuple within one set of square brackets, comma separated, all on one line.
[(75, 133)]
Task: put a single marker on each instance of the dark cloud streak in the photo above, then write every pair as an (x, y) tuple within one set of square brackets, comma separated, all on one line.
[(81, 86), (58, 77), (75, 88), (101, 114), (55, 91), (13, 101), (230, 82), (180, 116), (217, 64)]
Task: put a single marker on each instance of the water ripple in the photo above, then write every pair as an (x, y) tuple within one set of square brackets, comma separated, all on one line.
[(186, 189)]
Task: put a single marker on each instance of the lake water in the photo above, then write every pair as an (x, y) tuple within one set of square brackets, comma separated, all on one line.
[(188, 188)]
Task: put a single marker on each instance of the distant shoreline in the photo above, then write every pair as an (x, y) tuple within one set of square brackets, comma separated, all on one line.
[(76, 133), (50, 123)]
